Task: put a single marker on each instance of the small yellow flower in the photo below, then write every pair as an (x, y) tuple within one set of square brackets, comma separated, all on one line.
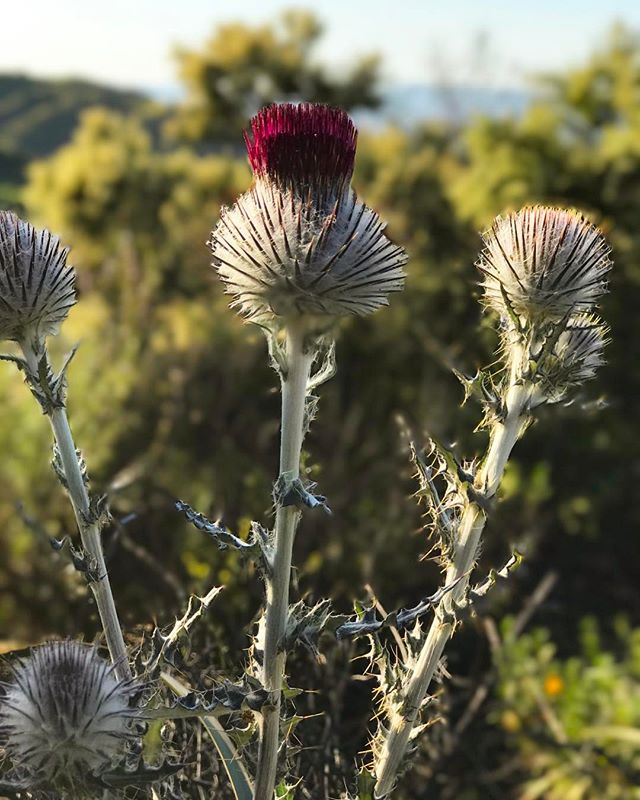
[(510, 721), (553, 685)]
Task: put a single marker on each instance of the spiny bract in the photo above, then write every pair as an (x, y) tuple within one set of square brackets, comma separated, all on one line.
[(36, 284), (543, 264), (65, 715)]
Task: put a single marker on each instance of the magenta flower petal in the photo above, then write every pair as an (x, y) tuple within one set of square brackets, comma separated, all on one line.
[(302, 144)]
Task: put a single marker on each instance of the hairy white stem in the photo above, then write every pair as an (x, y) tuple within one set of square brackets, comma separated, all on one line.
[(89, 530), (503, 437), (294, 391)]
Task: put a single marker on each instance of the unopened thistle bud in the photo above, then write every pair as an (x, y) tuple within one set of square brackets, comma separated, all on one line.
[(300, 243), (543, 264), (575, 357), (65, 717), (36, 285)]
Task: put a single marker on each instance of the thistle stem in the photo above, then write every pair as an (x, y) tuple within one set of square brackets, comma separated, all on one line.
[(88, 529), (294, 390), (504, 435)]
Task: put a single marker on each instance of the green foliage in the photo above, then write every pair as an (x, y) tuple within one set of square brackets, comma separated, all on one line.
[(37, 117), (574, 722), (116, 198), (171, 396), (242, 68)]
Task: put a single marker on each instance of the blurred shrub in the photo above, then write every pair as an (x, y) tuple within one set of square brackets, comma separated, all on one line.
[(241, 68), (171, 396), (574, 722)]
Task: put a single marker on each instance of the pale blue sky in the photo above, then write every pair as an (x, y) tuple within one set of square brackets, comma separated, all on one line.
[(129, 42)]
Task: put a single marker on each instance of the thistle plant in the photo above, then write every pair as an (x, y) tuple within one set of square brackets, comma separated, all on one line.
[(65, 719), (36, 293), (68, 717), (544, 270), (298, 251)]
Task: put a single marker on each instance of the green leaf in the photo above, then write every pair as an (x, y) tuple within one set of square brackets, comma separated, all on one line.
[(366, 783), (284, 791)]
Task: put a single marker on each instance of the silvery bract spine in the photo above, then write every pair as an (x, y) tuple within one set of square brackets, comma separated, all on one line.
[(36, 284), (65, 716)]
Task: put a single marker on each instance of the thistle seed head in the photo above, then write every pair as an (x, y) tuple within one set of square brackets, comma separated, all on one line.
[(543, 264), (300, 244), (65, 715), (36, 285), (575, 357)]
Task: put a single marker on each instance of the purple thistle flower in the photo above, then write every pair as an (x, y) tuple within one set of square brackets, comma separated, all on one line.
[(300, 244), (280, 147)]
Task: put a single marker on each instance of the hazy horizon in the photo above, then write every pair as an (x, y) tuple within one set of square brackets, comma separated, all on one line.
[(131, 45)]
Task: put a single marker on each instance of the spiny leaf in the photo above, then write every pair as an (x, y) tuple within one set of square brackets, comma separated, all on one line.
[(229, 755), (257, 547), (401, 619), (366, 783), (495, 575), (284, 791), (479, 386), (166, 642), (140, 775), (292, 492), (227, 698), (20, 363), (305, 624)]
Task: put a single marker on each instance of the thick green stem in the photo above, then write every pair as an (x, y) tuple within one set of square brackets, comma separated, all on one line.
[(294, 391), (503, 437), (89, 530)]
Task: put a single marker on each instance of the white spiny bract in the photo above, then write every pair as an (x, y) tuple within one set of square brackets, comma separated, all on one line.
[(575, 357), (283, 255), (543, 264), (299, 243), (65, 715), (36, 284)]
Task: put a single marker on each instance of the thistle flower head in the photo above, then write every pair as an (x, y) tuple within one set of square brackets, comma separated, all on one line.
[(543, 264), (299, 243), (36, 285), (65, 715), (575, 357), (302, 145)]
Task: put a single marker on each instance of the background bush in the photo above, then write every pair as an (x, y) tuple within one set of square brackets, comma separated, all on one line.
[(171, 397)]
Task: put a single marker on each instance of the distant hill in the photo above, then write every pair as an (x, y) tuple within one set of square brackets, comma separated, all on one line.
[(38, 116), (408, 104)]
